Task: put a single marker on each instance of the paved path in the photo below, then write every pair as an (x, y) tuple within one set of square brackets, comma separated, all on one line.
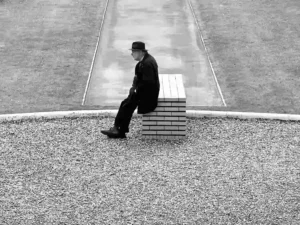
[(170, 33)]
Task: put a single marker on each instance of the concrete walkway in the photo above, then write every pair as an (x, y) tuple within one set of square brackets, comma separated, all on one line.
[(171, 36)]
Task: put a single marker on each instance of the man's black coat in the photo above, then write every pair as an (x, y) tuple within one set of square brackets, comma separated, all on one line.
[(146, 83)]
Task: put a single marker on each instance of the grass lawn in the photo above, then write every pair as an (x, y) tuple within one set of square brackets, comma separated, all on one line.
[(46, 49), (255, 50)]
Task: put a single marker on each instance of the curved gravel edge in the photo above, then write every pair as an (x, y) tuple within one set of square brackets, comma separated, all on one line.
[(189, 114)]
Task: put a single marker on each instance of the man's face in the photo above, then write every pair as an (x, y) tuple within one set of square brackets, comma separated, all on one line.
[(137, 54)]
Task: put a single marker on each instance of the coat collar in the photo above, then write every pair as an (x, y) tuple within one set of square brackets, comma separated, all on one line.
[(145, 56)]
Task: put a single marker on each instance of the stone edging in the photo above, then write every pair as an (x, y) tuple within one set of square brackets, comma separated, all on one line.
[(189, 114), (94, 56), (206, 52)]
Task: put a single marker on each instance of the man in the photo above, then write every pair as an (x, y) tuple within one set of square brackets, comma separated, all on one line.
[(143, 93)]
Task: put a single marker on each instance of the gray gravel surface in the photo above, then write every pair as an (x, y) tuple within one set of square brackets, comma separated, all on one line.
[(227, 171)]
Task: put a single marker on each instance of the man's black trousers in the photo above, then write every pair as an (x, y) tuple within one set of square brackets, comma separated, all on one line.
[(125, 112)]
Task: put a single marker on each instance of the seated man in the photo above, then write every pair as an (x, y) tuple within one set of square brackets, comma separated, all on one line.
[(143, 93)]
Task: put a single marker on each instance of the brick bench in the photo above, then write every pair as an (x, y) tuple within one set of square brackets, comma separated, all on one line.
[(168, 120)]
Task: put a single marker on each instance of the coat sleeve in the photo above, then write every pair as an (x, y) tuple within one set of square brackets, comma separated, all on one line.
[(134, 83), (147, 77), (148, 73), (135, 79)]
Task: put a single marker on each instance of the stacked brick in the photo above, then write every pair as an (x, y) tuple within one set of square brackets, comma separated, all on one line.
[(168, 120)]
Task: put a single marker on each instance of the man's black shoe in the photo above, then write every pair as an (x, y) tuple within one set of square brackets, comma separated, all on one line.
[(113, 132)]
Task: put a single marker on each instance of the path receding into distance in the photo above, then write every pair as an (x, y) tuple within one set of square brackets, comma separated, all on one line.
[(170, 32)]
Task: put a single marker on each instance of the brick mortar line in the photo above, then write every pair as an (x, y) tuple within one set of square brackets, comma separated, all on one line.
[(189, 114)]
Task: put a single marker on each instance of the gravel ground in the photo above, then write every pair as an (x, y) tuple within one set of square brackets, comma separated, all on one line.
[(227, 171)]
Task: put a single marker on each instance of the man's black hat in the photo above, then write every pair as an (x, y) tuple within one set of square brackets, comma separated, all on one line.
[(138, 45)]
